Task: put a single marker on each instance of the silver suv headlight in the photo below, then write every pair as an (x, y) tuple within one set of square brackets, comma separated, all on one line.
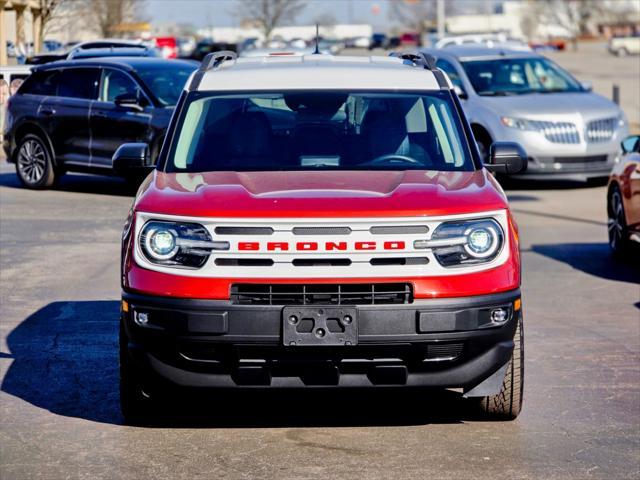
[(465, 242), (177, 244)]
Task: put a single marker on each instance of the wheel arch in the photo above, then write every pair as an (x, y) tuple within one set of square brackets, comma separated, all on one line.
[(35, 129)]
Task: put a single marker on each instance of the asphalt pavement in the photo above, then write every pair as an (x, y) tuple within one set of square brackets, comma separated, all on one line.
[(59, 416)]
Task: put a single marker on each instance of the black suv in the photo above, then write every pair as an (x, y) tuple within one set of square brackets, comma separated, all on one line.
[(73, 115)]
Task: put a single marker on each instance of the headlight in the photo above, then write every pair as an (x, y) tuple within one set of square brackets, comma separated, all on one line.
[(622, 119), (465, 242), (177, 244), (519, 123)]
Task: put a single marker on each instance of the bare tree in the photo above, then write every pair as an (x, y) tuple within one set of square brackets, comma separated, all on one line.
[(417, 15), (269, 14), (48, 12), (109, 15), (575, 16)]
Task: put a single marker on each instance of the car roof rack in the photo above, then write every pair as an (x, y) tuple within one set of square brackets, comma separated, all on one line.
[(211, 60), (426, 61), (417, 58)]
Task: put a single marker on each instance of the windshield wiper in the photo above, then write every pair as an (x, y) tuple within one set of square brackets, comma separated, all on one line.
[(497, 93)]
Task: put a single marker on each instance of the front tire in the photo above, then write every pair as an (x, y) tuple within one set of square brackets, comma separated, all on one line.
[(619, 240), (507, 404), (34, 163)]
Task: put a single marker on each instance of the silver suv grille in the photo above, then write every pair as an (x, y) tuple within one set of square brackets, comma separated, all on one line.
[(557, 132), (601, 130)]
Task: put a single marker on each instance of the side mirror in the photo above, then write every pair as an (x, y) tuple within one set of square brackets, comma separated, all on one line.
[(460, 92), (127, 100), (631, 144), (132, 159), (506, 157), (587, 86)]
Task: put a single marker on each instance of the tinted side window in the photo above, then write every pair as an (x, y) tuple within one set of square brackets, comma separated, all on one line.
[(41, 83), (450, 70), (115, 84), (79, 83)]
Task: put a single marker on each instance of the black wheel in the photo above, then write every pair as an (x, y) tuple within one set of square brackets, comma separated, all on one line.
[(506, 405), (136, 404), (34, 163), (619, 240), (622, 52)]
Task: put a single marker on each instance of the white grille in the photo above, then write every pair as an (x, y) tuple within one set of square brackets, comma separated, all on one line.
[(601, 130), (401, 260), (557, 132)]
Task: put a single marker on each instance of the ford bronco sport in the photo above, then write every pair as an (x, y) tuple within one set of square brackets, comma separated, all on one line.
[(320, 221)]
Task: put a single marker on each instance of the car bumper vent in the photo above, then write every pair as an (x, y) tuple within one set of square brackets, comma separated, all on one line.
[(322, 294)]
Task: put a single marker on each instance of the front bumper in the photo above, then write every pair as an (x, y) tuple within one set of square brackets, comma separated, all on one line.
[(443, 343)]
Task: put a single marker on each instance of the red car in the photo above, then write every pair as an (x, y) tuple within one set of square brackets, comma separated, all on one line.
[(168, 46), (623, 199), (321, 222)]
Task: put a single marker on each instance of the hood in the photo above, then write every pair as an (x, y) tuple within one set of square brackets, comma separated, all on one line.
[(545, 105), (320, 194)]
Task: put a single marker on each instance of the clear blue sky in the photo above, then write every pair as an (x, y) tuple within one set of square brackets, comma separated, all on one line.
[(218, 13)]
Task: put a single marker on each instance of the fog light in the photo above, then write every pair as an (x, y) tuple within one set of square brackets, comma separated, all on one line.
[(141, 318), (499, 316)]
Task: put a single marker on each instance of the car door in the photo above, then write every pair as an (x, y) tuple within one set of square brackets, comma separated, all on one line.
[(67, 114), (113, 124)]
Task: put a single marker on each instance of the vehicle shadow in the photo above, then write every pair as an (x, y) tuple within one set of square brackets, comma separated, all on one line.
[(65, 360), (80, 183), (594, 259)]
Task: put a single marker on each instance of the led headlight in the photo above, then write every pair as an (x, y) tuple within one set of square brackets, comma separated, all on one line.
[(519, 123), (177, 244), (465, 242)]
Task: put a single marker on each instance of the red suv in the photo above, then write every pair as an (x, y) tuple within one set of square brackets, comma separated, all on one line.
[(320, 222)]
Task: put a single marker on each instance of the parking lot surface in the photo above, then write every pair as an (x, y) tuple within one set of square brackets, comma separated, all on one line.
[(58, 366)]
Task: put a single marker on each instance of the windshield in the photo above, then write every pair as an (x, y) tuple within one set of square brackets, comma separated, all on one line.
[(516, 76), (319, 131), (166, 81)]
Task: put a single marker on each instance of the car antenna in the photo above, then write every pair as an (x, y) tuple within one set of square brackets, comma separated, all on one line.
[(317, 50)]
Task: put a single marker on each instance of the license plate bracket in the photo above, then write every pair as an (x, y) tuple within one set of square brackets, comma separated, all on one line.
[(319, 326)]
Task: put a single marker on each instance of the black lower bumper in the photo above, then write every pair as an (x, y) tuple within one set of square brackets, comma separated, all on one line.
[(427, 343)]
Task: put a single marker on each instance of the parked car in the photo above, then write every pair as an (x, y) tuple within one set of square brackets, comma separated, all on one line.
[(623, 200), (320, 224), (80, 50), (134, 51), (623, 46), (568, 131), (491, 40), (207, 45), (73, 115), (168, 46), (378, 40)]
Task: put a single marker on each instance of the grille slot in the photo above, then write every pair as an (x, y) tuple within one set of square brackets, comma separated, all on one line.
[(322, 294), (244, 262), (449, 351), (321, 230), (243, 230), (399, 261), (601, 130), (399, 230)]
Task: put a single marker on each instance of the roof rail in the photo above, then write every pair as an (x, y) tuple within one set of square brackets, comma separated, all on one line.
[(417, 58), (211, 61), (426, 61), (215, 59)]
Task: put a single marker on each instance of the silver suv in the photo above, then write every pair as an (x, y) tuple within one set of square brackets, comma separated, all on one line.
[(567, 131)]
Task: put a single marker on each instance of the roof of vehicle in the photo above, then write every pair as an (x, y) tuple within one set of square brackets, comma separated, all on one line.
[(138, 51), (289, 72), (130, 63), (477, 52)]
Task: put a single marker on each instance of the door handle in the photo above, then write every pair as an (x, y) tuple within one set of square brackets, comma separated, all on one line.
[(47, 112), (100, 115)]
